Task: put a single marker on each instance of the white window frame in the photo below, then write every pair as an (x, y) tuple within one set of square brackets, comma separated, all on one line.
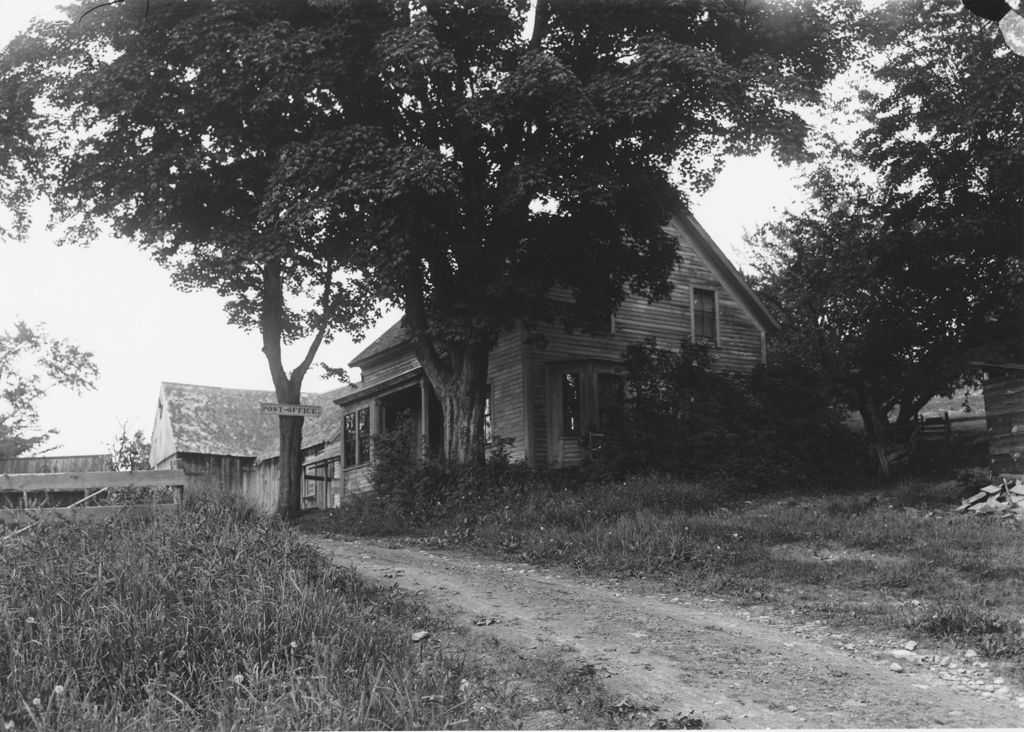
[(693, 315)]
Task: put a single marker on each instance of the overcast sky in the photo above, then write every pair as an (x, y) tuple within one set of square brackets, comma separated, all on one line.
[(114, 301)]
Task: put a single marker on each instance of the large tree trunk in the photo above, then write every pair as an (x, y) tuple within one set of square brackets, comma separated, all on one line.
[(289, 465), (874, 425), (289, 495), (460, 382), (462, 407)]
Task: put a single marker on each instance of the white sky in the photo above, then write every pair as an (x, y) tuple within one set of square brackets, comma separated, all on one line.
[(114, 301)]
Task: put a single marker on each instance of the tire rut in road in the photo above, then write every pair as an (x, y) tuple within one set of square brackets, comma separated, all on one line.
[(673, 655)]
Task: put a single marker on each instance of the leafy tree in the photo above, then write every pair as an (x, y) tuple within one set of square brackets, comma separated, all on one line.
[(463, 158), (16, 106), (511, 151), (906, 267), (178, 113), (31, 364), (130, 452)]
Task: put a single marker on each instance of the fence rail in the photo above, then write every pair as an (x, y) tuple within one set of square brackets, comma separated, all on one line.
[(43, 487)]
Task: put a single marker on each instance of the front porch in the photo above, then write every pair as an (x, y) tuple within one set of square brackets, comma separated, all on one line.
[(373, 410)]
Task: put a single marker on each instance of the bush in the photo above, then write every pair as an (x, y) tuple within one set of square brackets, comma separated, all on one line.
[(775, 429), (409, 491)]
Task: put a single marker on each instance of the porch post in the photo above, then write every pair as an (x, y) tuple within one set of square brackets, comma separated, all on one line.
[(424, 416)]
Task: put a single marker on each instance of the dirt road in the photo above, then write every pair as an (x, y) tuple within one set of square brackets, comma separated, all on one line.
[(689, 653)]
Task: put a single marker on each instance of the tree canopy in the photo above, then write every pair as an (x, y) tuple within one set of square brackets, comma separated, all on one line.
[(165, 121), (510, 152), (457, 159), (907, 265), (31, 364)]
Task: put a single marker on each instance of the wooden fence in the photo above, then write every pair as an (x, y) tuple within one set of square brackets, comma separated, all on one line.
[(57, 464), (28, 498)]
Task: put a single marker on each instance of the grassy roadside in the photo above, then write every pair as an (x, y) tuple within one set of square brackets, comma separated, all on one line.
[(215, 618), (893, 559)]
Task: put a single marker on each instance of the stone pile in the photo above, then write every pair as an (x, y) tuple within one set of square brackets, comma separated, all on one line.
[(1005, 499)]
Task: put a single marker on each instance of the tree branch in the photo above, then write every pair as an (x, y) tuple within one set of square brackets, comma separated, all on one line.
[(326, 307), (108, 4)]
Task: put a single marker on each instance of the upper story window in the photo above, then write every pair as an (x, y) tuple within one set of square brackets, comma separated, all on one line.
[(705, 315)]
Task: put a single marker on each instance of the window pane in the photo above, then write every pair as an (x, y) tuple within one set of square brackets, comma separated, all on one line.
[(312, 479), (570, 404), (610, 402), (350, 440), (363, 430), (704, 320)]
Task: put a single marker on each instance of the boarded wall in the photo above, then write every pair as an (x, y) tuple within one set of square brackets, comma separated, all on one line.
[(57, 464), (211, 473), (260, 484), (1004, 417)]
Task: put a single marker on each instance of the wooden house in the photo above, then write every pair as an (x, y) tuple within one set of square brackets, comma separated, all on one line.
[(223, 443), (555, 401)]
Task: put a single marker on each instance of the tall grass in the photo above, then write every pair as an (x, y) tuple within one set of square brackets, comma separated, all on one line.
[(210, 618)]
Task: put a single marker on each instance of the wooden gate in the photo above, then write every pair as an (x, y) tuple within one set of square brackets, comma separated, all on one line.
[(27, 498)]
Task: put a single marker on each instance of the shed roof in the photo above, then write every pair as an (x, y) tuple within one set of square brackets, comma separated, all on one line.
[(213, 420)]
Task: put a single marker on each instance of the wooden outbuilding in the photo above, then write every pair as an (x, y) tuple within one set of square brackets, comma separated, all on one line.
[(1003, 389), (219, 437)]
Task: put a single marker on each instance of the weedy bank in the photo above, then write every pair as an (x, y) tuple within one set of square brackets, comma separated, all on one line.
[(217, 618), (894, 559)]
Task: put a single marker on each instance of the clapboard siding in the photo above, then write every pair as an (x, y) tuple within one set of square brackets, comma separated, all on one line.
[(508, 395), (1004, 414), (668, 321), (356, 480), (740, 344)]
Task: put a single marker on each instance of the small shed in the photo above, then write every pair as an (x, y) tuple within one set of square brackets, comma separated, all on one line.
[(1003, 389), (211, 433), (222, 441)]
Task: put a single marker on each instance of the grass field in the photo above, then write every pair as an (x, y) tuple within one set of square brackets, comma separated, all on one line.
[(214, 618)]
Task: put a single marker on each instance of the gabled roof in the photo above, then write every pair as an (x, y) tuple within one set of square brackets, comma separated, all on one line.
[(213, 420), (397, 335), (725, 269), (393, 337)]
